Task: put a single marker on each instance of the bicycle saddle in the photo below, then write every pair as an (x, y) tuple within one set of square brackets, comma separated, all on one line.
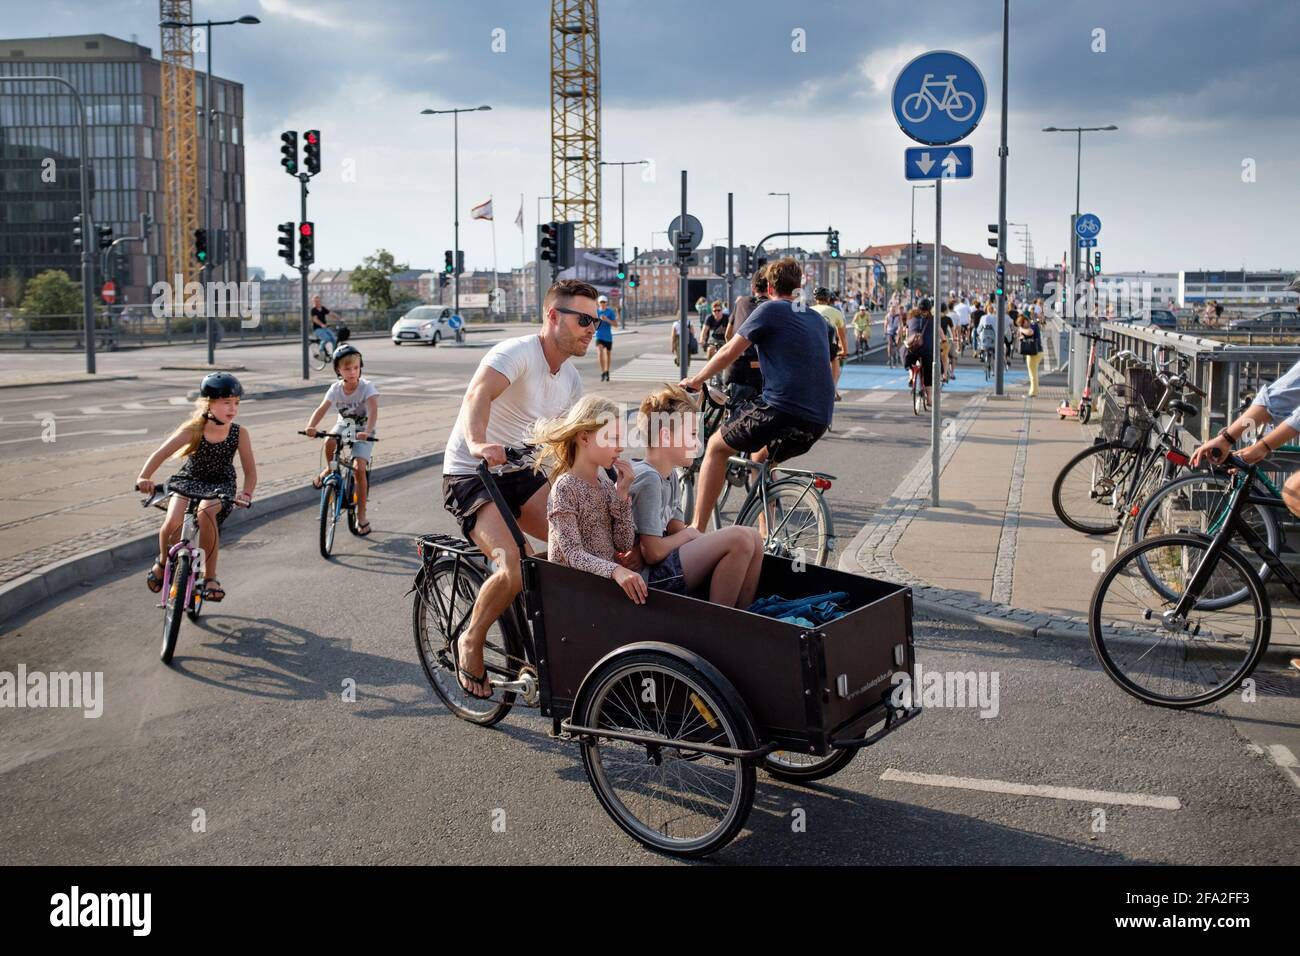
[(1186, 409)]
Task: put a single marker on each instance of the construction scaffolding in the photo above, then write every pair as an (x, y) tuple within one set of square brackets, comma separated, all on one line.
[(575, 117), (180, 152)]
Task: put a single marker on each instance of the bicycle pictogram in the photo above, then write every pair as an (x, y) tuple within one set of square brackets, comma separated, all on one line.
[(1090, 226), (960, 106)]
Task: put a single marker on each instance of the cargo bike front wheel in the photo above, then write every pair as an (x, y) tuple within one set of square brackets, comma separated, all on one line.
[(668, 749)]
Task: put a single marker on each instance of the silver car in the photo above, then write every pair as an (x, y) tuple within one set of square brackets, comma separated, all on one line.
[(426, 324)]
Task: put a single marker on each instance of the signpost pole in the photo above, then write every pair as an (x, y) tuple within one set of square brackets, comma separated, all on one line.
[(937, 375), (683, 324)]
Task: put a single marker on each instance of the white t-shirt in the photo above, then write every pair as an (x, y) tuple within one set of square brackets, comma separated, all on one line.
[(533, 393), (352, 406), (962, 313)]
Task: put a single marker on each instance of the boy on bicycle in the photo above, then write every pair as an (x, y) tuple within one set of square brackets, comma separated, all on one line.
[(357, 399)]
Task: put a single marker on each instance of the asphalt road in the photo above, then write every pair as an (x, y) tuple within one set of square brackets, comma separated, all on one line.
[(250, 727)]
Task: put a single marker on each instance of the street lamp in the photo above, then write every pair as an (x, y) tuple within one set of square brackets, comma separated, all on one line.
[(1078, 168), (622, 191), (455, 208), (207, 135), (787, 217)]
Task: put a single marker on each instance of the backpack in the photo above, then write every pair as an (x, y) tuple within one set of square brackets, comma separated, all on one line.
[(1030, 346)]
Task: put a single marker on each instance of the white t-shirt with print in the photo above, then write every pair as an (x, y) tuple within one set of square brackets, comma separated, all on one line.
[(352, 406), (533, 393)]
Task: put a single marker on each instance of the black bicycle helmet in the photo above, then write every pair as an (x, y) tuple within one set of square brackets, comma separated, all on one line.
[(343, 351), (220, 385)]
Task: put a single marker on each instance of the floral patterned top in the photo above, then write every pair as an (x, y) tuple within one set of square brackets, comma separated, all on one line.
[(588, 524)]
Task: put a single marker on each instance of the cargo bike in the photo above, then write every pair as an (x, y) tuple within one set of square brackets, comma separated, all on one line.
[(673, 703)]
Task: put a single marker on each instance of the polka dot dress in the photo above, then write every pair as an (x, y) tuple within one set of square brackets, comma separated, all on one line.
[(210, 470)]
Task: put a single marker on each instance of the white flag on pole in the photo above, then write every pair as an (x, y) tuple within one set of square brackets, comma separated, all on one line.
[(519, 219), (482, 211)]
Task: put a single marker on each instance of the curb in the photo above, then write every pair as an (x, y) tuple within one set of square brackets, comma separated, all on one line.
[(55, 579), (94, 380), (954, 606)]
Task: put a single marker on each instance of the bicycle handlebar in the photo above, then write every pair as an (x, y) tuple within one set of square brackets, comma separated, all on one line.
[(338, 436), (163, 490)]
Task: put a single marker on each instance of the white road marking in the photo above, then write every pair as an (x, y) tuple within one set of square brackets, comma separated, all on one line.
[(1286, 761), (43, 398), (1034, 790), (104, 431), (875, 397)]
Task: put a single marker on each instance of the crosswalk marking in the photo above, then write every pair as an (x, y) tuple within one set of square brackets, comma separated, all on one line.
[(1154, 801), (875, 397)]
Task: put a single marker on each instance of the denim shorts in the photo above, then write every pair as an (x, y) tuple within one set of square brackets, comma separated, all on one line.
[(667, 575)]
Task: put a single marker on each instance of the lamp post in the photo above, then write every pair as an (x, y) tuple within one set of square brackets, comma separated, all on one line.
[(455, 201), (211, 116), (1078, 168), (787, 217), (911, 247), (622, 213)]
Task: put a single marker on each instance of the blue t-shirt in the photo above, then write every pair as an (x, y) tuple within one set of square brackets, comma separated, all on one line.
[(605, 331), (795, 359)]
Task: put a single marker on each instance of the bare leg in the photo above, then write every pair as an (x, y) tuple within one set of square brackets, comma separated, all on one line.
[(363, 488), (1291, 494), (209, 539), (170, 531), (724, 557), (713, 471), (749, 590)]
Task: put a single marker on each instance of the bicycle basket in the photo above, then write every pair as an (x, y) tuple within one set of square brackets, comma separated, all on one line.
[(1124, 415), (1143, 382)]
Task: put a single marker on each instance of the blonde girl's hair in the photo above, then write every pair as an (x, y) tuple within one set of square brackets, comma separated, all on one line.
[(557, 438), (194, 425), (671, 401)]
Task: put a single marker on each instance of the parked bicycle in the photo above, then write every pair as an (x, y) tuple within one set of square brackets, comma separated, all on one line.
[(182, 591), (1180, 620), (338, 493)]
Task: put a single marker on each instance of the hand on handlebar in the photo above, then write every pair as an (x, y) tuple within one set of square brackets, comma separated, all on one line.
[(494, 455), (309, 431), (1215, 451), (145, 486)]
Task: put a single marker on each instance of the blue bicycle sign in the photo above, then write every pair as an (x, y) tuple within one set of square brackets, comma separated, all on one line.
[(1087, 226), (939, 98)]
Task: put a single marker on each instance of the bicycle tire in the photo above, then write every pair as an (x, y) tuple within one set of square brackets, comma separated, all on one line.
[(1112, 474), (328, 518), (175, 607), (350, 505), (817, 768), (1273, 533), (1262, 616), (791, 541), (436, 651), (324, 354), (660, 776)]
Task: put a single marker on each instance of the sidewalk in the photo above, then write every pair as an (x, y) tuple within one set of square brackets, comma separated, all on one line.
[(994, 551)]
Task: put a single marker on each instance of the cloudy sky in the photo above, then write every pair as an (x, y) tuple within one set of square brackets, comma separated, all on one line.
[(1197, 88)]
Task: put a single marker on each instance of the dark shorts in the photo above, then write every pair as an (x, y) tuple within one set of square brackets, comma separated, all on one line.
[(667, 575), (464, 495), (834, 339), (927, 364), (760, 425), (607, 346)]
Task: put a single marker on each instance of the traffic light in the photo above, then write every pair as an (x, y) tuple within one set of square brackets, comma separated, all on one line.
[(1001, 272), (545, 242), (633, 281), (719, 260), (564, 245), (993, 239), (76, 233), (917, 250), (443, 280), (289, 152), (306, 243), (622, 271), (1096, 262), (833, 241), (447, 265), (743, 265), (460, 262), (285, 229), (105, 234), (684, 248), (201, 245), (311, 151)]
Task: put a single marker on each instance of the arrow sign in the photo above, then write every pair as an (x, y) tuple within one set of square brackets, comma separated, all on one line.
[(953, 162)]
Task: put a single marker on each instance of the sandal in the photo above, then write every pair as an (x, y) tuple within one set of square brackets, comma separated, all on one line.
[(480, 679), (363, 529), (155, 581), (213, 591)]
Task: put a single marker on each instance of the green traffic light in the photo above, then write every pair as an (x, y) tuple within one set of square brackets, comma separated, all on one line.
[(203, 257)]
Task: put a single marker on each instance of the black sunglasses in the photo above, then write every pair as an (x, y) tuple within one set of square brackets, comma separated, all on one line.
[(584, 319)]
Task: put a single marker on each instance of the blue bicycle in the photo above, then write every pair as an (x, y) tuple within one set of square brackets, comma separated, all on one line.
[(338, 492)]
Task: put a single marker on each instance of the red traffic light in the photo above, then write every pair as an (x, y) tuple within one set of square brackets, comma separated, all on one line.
[(305, 229), (312, 136)]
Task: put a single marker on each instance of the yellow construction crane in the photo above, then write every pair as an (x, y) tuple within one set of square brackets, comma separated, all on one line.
[(575, 117), (180, 152)]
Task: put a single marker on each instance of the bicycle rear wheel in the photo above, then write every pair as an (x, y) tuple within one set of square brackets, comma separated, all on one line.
[(1085, 493), (443, 604), (795, 767), (798, 520), (1169, 662), (324, 354), (174, 606)]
